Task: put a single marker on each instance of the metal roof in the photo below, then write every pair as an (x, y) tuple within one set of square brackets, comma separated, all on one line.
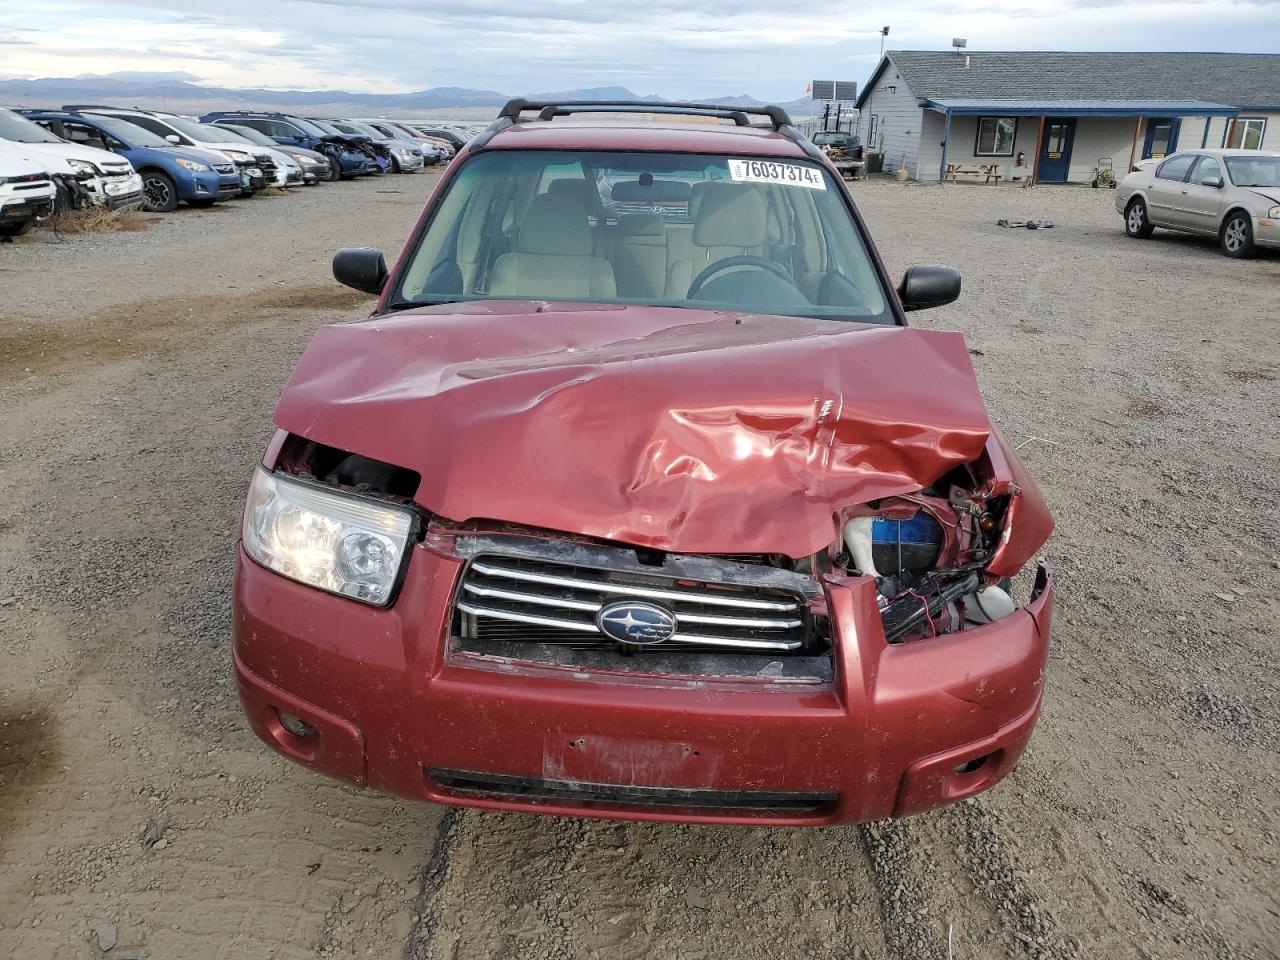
[(1082, 108), (1241, 79)]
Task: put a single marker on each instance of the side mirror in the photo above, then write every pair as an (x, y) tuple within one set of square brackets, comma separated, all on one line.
[(1213, 182), (928, 286), (173, 138), (361, 268)]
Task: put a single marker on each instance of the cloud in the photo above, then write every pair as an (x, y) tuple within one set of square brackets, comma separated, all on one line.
[(670, 47)]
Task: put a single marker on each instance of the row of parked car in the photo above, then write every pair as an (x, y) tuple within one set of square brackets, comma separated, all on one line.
[(93, 155)]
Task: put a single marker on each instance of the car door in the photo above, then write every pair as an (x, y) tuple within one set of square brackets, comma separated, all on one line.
[(1166, 198), (1204, 194)]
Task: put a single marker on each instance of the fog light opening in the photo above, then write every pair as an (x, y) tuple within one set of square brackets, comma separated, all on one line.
[(296, 726), (969, 766)]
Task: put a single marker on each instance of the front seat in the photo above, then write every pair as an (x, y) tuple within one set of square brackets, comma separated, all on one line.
[(731, 220), (553, 256)]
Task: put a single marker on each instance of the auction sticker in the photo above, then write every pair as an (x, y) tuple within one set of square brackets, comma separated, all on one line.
[(772, 171)]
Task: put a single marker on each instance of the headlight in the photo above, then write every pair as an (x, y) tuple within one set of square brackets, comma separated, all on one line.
[(83, 169), (1274, 213), (192, 165), (349, 545)]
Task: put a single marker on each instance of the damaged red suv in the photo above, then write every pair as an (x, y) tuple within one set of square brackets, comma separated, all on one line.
[(636, 497)]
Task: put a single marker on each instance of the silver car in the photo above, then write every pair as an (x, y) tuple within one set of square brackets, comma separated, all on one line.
[(1233, 195)]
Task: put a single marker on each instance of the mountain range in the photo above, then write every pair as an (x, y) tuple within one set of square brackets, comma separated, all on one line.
[(172, 92)]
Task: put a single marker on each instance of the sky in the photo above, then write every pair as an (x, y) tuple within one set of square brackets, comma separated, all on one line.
[(765, 48)]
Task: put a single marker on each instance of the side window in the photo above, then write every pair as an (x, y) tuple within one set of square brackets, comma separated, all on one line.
[(163, 131), (90, 137), (1176, 167), (1208, 172), (281, 129)]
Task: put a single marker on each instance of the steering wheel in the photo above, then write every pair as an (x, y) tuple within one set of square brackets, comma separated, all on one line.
[(743, 260)]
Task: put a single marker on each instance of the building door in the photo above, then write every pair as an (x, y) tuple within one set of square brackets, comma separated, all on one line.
[(1055, 149), (1162, 137)]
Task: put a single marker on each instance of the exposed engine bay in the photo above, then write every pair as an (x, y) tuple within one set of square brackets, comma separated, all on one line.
[(928, 553)]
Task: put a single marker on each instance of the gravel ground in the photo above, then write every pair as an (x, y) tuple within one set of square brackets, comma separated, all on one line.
[(137, 813)]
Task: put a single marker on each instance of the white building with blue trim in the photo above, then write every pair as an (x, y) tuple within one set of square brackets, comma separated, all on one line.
[(1053, 116)]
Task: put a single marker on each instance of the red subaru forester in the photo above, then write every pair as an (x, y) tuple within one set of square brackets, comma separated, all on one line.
[(636, 497)]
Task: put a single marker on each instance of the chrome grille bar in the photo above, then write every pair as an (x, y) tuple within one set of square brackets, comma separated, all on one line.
[(701, 639), (630, 590)]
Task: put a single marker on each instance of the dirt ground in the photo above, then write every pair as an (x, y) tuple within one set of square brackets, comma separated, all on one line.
[(138, 373)]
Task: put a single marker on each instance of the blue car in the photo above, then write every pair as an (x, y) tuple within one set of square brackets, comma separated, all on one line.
[(345, 157), (170, 174)]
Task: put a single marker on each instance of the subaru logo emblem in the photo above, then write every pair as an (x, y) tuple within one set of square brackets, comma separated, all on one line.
[(629, 621)]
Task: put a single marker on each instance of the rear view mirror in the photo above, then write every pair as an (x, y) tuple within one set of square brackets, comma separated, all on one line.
[(361, 268), (1213, 182), (173, 138), (928, 286)]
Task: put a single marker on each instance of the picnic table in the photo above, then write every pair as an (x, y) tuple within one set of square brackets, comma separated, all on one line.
[(991, 171)]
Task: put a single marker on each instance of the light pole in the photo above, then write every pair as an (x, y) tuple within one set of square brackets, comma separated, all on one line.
[(884, 32)]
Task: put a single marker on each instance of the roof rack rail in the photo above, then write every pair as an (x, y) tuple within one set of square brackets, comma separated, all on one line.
[(75, 107), (550, 109)]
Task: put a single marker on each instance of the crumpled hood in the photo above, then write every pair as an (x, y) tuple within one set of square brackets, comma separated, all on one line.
[(684, 430)]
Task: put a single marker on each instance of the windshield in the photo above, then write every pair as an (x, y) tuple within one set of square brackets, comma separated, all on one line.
[(221, 134), (16, 127), (369, 131), (309, 128), (681, 230), (195, 131), (250, 134), (328, 129), (1254, 171), (130, 133)]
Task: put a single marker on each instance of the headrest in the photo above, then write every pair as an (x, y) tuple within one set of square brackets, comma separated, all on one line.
[(554, 226), (695, 200), (641, 225), (731, 215), (579, 191)]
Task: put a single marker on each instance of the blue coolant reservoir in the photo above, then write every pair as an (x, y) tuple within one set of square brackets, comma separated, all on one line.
[(906, 545)]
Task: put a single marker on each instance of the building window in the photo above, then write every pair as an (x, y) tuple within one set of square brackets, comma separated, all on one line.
[(875, 129), (995, 136), (1247, 133)]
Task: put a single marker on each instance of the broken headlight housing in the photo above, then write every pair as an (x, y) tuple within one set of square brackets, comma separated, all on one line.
[(83, 169), (346, 544)]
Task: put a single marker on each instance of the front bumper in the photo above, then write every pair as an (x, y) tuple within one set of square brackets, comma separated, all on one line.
[(18, 208), (1266, 232), (117, 193), (898, 730)]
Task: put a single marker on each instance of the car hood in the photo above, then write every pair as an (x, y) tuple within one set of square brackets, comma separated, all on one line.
[(684, 430), (198, 154), (1269, 194), (60, 153)]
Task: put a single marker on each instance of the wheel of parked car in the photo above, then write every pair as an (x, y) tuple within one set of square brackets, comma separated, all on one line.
[(1136, 223), (159, 195), (1237, 235), (16, 229)]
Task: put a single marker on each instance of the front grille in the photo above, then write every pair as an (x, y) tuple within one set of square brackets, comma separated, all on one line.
[(579, 793), (224, 167), (268, 167), (504, 599)]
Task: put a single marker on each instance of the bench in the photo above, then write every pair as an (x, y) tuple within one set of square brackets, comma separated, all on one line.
[(991, 171)]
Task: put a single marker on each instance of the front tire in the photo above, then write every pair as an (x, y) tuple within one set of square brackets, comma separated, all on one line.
[(1136, 222), (159, 195), (19, 229), (1236, 236)]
